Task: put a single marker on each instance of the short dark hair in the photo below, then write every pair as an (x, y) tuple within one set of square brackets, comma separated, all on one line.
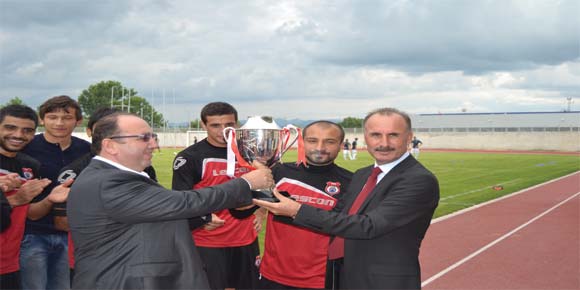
[(104, 128), (217, 109), (389, 112), (19, 111), (100, 113), (327, 124), (60, 102)]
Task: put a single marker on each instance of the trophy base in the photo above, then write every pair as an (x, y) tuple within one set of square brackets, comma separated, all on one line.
[(266, 195)]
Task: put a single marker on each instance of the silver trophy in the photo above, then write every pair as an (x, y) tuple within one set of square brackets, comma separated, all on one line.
[(261, 139)]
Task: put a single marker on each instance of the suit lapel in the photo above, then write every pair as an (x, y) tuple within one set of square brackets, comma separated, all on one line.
[(379, 191), (356, 189)]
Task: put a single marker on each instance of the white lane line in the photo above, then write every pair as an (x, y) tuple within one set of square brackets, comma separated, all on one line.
[(481, 250)]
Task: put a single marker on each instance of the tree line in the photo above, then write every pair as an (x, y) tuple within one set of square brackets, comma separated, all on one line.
[(114, 94)]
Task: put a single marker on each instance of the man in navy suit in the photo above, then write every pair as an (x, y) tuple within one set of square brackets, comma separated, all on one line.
[(379, 228)]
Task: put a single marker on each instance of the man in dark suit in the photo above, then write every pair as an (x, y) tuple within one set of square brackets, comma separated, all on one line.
[(131, 233), (383, 220)]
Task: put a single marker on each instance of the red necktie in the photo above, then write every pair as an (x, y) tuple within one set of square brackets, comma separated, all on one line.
[(336, 247)]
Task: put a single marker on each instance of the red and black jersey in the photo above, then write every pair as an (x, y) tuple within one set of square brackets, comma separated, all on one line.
[(10, 239), (296, 256), (202, 165)]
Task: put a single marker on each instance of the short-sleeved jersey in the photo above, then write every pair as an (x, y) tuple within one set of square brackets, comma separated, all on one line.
[(11, 238), (202, 165), (296, 256), (353, 145)]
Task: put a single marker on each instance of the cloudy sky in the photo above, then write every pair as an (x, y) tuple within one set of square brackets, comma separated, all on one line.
[(298, 59)]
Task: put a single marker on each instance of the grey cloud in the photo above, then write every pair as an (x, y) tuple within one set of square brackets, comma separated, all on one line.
[(262, 51), (27, 13), (470, 36)]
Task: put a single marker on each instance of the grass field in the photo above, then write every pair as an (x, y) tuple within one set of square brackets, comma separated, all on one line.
[(465, 179)]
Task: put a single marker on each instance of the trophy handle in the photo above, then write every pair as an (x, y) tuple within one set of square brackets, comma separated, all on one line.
[(285, 134), (226, 131), (233, 153)]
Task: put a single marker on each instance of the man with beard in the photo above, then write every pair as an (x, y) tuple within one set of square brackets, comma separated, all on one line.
[(387, 210), (20, 184), (296, 257)]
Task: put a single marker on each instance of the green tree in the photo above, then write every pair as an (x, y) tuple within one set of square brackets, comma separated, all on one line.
[(195, 124), (114, 94), (140, 107), (351, 122), (14, 101)]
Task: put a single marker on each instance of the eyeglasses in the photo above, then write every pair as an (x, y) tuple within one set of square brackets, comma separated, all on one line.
[(143, 137)]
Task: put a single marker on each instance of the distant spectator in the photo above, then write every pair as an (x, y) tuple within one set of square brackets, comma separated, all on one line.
[(415, 145), (346, 150), (353, 149)]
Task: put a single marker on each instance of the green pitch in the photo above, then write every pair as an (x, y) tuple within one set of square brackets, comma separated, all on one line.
[(465, 179)]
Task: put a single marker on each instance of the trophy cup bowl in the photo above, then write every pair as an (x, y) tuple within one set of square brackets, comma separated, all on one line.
[(261, 139), (261, 145)]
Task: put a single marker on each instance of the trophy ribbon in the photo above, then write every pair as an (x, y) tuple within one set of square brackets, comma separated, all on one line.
[(301, 159), (233, 153)]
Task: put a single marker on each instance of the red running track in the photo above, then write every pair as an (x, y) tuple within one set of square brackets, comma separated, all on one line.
[(527, 240)]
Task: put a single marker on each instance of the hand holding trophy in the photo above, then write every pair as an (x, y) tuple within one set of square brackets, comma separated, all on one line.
[(259, 139)]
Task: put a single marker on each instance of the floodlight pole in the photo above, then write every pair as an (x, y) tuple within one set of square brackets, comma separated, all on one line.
[(151, 107), (165, 122), (122, 99), (112, 94)]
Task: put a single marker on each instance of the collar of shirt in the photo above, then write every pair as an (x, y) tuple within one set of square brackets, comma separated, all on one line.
[(120, 166), (385, 168)]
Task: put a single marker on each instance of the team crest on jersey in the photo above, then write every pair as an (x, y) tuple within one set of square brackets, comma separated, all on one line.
[(28, 173), (332, 188), (66, 175), (179, 161)]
